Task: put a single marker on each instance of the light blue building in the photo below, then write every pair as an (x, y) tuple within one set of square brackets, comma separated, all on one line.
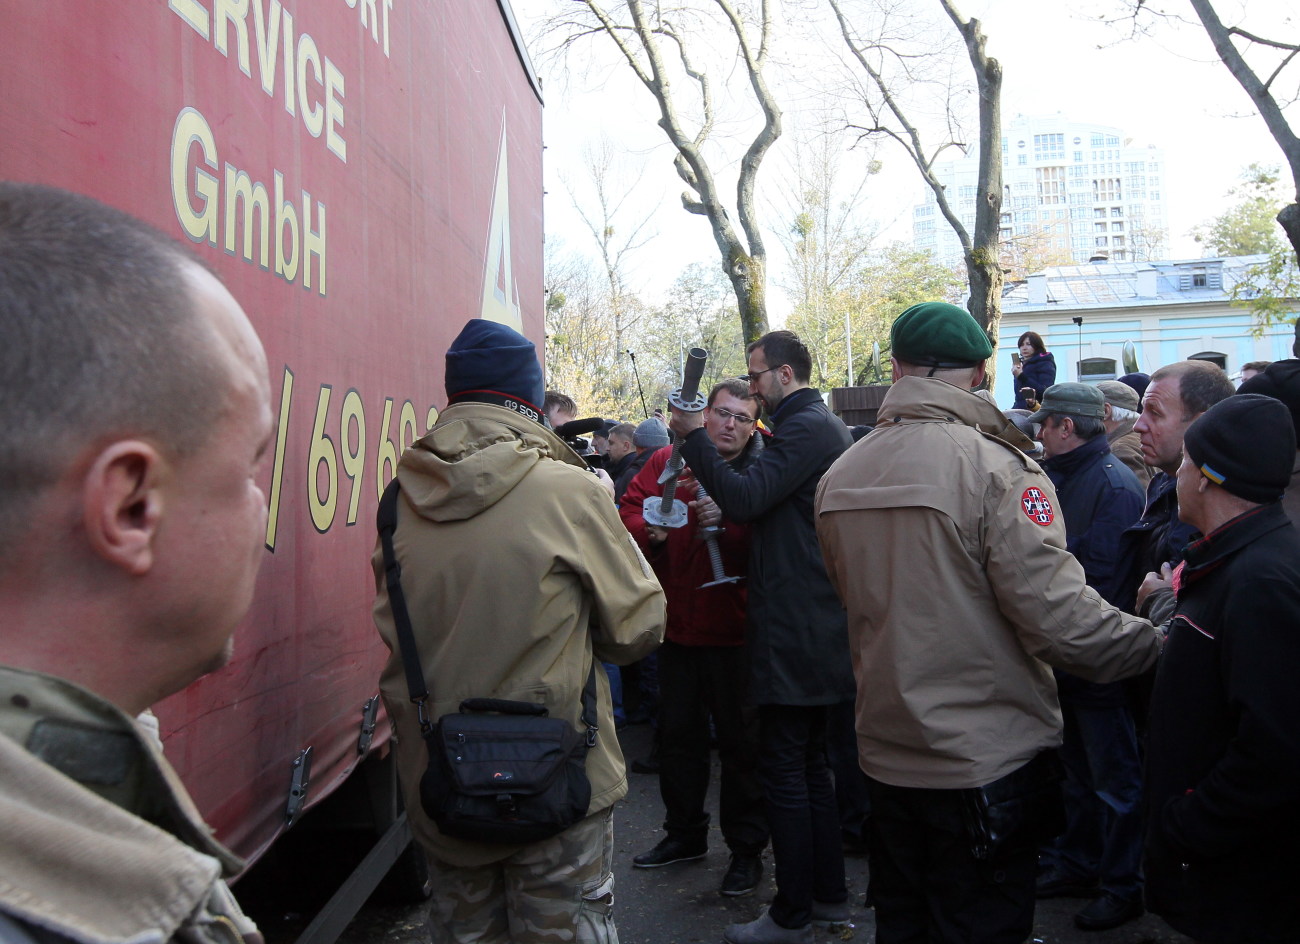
[(1170, 311)]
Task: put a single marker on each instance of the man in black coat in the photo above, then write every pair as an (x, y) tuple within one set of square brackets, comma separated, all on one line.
[(1223, 757), (798, 637)]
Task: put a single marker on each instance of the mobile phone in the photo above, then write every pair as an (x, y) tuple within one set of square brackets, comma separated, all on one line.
[(1015, 359)]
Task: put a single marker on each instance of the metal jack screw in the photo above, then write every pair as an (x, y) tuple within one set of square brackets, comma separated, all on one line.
[(670, 512), (710, 534)]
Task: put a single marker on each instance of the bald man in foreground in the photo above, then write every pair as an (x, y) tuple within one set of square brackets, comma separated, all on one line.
[(137, 410)]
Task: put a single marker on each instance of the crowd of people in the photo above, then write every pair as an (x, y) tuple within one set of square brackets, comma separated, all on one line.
[(1047, 652)]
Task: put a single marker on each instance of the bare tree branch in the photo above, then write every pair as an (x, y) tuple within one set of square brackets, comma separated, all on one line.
[(640, 41), (979, 249), (1269, 108)]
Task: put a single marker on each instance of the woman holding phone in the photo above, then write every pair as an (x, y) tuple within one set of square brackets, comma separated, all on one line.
[(1035, 368)]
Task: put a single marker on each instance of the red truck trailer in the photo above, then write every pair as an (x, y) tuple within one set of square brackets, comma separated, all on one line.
[(365, 175)]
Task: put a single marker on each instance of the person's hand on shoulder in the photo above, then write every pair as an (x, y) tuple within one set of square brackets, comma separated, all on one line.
[(1154, 582)]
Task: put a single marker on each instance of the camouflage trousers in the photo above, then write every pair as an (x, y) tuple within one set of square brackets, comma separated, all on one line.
[(559, 889)]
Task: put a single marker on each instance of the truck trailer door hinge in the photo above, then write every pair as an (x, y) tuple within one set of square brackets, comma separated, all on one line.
[(369, 711), (298, 786)]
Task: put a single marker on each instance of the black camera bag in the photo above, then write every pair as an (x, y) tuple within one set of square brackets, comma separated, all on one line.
[(499, 771)]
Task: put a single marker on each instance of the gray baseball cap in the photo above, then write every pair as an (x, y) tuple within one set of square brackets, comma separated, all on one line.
[(1071, 399)]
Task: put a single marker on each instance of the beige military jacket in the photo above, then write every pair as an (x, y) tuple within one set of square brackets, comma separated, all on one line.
[(946, 545)]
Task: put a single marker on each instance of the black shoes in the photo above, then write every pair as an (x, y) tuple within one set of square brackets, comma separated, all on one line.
[(1057, 883), (670, 850), (742, 875), (1106, 912)]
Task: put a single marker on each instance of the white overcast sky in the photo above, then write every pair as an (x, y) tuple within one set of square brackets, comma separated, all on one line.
[(1168, 90)]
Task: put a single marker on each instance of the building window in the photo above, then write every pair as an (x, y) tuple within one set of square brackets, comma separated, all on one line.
[(1047, 146), (1117, 226), (1098, 140), (1117, 240), (1107, 189), (1099, 227), (1022, 159), (1099, 212), (1099, 241), (1078, 155), (1116, 211), (1051, 184)]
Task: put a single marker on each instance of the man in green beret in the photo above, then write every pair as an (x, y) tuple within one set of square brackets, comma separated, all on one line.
[(946, 545)]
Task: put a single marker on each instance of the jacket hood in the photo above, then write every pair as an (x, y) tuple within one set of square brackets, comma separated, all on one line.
[(931, 400), (475, 454)]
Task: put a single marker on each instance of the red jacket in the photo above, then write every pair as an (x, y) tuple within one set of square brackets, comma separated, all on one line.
[(713, 616)]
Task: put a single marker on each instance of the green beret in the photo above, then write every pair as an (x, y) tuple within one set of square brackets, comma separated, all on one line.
[(936, 334)]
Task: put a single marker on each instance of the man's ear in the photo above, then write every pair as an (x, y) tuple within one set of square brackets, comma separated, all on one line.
[(978, 377), (122, 504)]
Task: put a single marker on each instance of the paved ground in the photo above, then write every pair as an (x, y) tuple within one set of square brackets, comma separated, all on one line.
[(680, 904)]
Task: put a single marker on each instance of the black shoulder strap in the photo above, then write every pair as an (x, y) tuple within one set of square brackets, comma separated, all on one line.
[(386, 521)]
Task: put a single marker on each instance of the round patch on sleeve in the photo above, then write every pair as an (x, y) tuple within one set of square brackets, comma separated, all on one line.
[(1037, 506)]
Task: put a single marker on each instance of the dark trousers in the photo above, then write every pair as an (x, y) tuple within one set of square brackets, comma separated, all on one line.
[(927, 886), (694, 683), (1103, 799), (850, 781), (801, 811)]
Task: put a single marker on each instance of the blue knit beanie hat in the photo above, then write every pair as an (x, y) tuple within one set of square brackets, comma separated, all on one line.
[(490, 358)]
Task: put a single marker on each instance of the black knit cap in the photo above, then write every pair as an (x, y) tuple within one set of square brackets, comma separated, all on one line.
[(1281, 381), (1246, 445), (490, 359)]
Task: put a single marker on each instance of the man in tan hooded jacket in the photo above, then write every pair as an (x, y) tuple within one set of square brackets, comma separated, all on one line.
[(517, 573)]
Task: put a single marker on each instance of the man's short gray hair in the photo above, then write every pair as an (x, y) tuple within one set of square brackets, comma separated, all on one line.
[(101, 340)]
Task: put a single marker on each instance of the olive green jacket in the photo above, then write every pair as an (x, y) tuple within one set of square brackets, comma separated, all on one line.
[(99, 842)]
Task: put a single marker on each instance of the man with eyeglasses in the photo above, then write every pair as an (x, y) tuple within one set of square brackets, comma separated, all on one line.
[(702, 663), (798, 641)]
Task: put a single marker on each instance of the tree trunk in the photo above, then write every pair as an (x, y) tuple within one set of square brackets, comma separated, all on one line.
[(1289, 220), (748, 276), (983, 265)]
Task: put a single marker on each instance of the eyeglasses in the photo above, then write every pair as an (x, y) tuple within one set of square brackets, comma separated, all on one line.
[(740, 418), (753, 378)]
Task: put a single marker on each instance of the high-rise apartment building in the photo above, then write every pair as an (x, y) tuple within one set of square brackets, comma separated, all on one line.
[(1072, 191)]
